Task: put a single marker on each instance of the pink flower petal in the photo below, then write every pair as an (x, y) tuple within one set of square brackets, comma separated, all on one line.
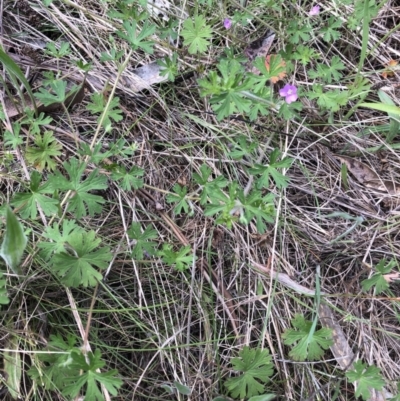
[(227, 23), (291, 98), (314, 11), (289, 92)]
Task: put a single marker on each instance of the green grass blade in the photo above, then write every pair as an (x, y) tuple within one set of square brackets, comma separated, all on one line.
[(14, 242), (386, 108), (13, 69), (394, 118), (13, 367)]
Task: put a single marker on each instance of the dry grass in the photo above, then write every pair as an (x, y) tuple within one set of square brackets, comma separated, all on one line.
[(157, 325)]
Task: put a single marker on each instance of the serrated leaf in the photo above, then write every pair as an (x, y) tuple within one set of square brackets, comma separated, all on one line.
[(27, 202), (181, 259), (76, 265), (307, 347), (255, 366), (45, 149), (196, 34), (270, 171), (143, 243), (135, 39), (50, 369), (13, 139), (58, 237), (376, 280), (98, 104), (82, 199), (14, 242), (129, 179), (179, 198), (367, 377), (90, 380), (57, 94), (34, 121)]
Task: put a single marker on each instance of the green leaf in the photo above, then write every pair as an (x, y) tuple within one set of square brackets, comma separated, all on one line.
[(137, 40), (13, 69), (330, 33), (143, 243), (378, 279), (308, 347), (98, 104), (35, 122), (13, 138), (210, 189), (329, 100), (95, 156), (305, 54), (270, 170), (123, 148), (180, 200), (238, 206), (169, 67), (255, 367), (204, 175), (80, 188), (52, 50), (65, 368), (367, 378), (290, 111), (182, 259), (233, 90), (298, 33), (394, 119), (14, 242), (276, 67), (264, 397), (185, 390), (56, 93), (27, 202), (114, 55), (365, 9), (259, 108), (127, 10), (52, 368), (329, 73), (129, 179), (4, 300), (90, 381), (58, 238), (12, 367), (196, 34), (387, 108), (42, 154), (244, 146), (169, 389), (76, 265)]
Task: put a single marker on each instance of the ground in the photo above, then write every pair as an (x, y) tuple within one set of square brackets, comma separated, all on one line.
[(177, 247)]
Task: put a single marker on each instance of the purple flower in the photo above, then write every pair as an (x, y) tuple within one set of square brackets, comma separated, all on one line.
[(314, 11), (289, 92), (227, 23)]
